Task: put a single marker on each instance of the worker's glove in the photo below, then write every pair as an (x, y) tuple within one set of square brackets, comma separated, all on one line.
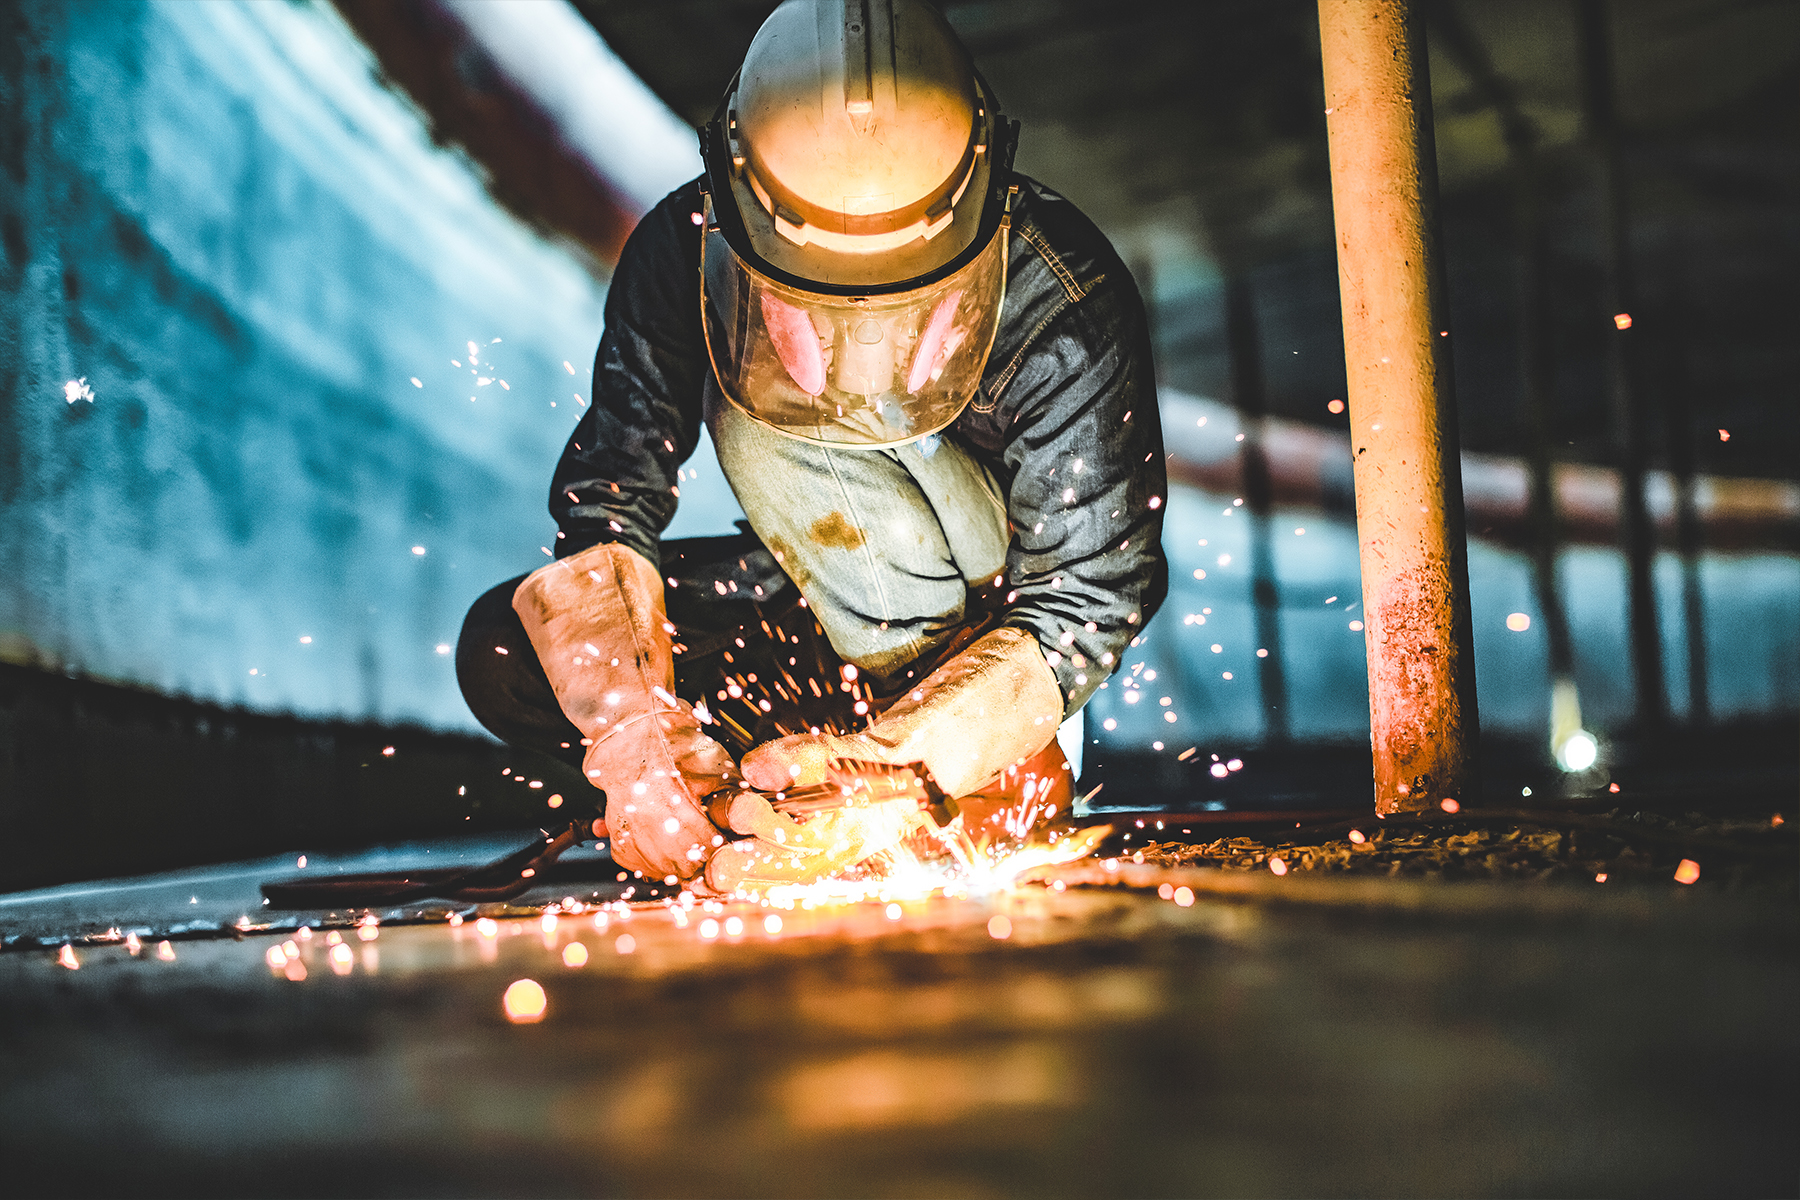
[(782, 850), (990, 707), (597, 622)]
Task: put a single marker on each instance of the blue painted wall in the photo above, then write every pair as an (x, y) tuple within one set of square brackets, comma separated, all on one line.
[(1752, 632), (248, 250)]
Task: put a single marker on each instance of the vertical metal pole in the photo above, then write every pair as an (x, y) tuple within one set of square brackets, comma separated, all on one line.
[(1409, 511), (1629, 426), (1537, 374), (1677, 383), (1245, 342), (1687, 533)]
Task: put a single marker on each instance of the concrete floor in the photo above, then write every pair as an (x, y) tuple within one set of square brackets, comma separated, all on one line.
[(1301, 1037)]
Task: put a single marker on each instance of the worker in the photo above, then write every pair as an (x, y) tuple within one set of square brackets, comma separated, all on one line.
[(928, 381)]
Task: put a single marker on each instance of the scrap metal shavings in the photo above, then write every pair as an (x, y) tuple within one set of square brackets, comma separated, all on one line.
[(1616, 847)]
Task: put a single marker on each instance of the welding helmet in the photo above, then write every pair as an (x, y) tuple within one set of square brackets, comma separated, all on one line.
[(853, 264)]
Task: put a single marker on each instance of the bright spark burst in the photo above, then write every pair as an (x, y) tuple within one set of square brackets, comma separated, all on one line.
[(945, 861)]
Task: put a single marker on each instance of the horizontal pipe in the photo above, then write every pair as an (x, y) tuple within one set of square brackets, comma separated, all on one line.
[(1310, 467)]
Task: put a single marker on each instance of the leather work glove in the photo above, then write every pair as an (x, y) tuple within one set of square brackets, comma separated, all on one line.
[(860, 817), (988, 708), (783, 850), (597, 622)]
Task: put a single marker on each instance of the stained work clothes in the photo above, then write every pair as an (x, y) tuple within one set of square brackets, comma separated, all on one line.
[(1065, 424), (885, 543)]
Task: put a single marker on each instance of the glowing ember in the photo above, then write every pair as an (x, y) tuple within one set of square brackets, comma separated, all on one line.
[(1518, 622), (1622, 320), (1449, 805), (1278, 866), (525, 1002), (165, 951), (66, 958), (574, 955), (1687, 872), (999, 927), (1184, 896)]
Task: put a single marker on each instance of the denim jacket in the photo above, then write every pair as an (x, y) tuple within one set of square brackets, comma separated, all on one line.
[(1066, 418)]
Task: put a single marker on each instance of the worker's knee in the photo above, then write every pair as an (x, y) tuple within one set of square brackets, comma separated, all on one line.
[(502, 681)]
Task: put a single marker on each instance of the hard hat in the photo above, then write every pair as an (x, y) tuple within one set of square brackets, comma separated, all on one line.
[(858, 177)]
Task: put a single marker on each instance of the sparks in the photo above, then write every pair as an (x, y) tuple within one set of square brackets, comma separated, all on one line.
[(525, 1002)]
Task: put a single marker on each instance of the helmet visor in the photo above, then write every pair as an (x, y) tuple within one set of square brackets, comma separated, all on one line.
[(866, 371)]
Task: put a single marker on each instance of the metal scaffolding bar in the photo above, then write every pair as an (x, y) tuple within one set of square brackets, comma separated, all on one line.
[(1244, 337), (1630, 429)]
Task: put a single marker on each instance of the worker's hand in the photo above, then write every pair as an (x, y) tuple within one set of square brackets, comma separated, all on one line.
[(804, 759), (597, 622), (990, 707), (782, 850), (657, 771), (748, 812)]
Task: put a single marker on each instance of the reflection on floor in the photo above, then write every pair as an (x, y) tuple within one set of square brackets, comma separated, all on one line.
[(1336, 1037)]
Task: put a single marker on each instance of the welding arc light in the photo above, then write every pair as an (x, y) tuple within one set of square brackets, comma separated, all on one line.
[(1578, 752)]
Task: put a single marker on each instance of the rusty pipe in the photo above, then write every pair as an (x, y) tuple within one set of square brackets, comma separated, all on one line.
[(1408, 477)]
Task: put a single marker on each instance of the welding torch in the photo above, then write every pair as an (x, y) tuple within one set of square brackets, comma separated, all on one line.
[(849, 783)]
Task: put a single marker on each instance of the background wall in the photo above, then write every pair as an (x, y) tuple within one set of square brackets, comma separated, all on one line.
[(281, 383), (262, 284)]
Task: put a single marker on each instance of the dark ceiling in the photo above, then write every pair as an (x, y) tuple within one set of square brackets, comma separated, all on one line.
[(1193, 132), (1209, 112)]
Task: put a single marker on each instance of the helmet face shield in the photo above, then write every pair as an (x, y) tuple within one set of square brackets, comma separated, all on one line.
[(868, 371)]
